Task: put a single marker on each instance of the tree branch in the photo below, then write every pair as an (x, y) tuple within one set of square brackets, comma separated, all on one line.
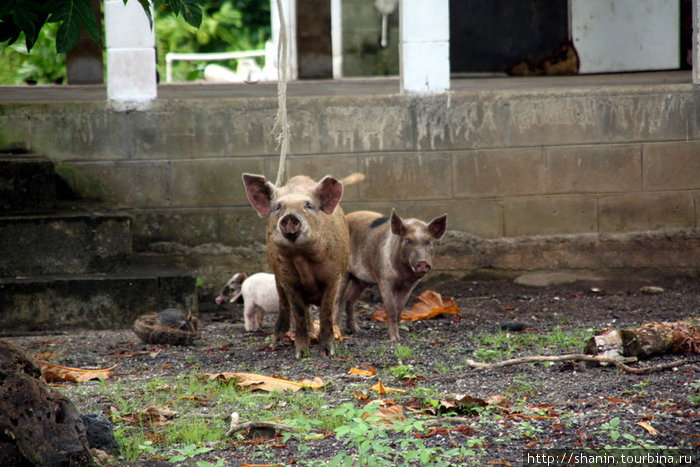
[(620, 363)]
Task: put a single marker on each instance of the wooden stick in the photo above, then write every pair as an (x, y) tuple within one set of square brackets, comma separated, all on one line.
[(620, 363), (235, 426), (242, 426)]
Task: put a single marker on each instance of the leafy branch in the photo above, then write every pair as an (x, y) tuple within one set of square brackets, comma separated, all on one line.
[(28, 17)]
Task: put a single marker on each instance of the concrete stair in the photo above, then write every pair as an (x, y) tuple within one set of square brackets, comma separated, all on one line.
[(70, 264)]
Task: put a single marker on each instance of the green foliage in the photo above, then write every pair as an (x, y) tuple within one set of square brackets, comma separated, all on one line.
[(502, 344), (402, 371), (71, 16), (694, 398), (188, 452), (226, 25), (28, 18), (403, 351), (42, 66)]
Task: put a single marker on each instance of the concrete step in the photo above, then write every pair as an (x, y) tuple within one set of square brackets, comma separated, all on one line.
[(27, 183), (93, 301), (68, 241)]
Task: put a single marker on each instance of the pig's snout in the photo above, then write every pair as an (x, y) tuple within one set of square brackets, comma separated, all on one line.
[(290, 226), (422, 267), (219, 300)]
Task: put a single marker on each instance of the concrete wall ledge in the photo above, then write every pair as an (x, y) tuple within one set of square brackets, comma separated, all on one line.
[(640, 254), (506, 158)]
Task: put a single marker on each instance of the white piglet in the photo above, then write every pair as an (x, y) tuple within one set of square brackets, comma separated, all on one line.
[(259, 294)]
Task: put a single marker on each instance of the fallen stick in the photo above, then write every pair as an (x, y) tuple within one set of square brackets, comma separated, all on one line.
[(620, 363), (235, 426)]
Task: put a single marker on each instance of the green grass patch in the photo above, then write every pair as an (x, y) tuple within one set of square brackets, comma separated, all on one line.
[(502, 345)]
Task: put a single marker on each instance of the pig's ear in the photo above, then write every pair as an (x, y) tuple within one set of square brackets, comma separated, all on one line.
[(437, 226), (398, 227), (260, 193), (242, 277), (329, 191)]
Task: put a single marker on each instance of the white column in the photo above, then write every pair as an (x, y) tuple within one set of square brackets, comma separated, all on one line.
[(337, 37), (696, 42), (131, 54), (424, 46), (290, 17)]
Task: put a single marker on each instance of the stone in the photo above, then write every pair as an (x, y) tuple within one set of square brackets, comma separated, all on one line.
[(100, 432), (38, 425)]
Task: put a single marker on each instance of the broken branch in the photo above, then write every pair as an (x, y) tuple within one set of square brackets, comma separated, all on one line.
[(619, 362), (235, 426)]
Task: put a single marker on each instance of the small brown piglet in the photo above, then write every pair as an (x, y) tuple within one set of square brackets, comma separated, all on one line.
[(391, 252), (307, 250)]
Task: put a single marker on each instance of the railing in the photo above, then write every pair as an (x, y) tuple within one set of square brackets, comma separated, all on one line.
[(207, 57)]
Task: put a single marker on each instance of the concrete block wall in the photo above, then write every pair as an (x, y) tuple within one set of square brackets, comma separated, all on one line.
[(507, 165)]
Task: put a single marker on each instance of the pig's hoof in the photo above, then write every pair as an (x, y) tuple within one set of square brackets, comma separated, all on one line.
[(303, 353)]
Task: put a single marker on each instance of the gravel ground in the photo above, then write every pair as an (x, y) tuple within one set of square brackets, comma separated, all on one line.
[(558, 406)]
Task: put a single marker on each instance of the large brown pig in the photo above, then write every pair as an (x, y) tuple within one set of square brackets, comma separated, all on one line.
[(391, 252), (307, 250)]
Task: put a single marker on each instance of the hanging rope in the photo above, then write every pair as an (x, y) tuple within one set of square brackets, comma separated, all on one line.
[(281, 127)]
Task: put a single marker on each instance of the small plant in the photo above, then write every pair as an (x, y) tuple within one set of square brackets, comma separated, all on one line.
[(694, 398), (402, 371), (188, 452), (403, 352)]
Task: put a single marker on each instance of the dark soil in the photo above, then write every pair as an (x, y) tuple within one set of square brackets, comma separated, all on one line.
[(557, 406)]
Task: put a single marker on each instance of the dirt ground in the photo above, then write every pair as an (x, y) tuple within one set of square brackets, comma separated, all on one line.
[(557, 406)]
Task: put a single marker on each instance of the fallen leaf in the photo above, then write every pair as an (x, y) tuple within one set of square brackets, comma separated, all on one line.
[(193, 398), (56, 373), (617, 400), (368, 372), (387, 412), (429, 305), (383, 390), (360, 396), (254, 381), (650, 429), (151, 416)]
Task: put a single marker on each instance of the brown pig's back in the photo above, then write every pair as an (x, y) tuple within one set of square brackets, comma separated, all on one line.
[(368, 235)]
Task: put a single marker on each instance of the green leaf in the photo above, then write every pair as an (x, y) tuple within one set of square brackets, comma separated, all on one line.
[(146, 4), (27, 16), (73, 16), (189, 9)]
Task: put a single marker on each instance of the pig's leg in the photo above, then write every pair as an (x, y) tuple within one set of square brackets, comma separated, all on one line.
[(282, 323), (353, 290), (259, 315), (394, 301), (326, 316), (249, 315), (301, 320)]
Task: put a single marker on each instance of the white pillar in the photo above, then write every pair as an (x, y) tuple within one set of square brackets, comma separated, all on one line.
[(696, 42), (424, 46), (290, 17), (337, 37), (131, 54)]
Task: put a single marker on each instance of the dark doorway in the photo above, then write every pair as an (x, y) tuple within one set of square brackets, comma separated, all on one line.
[(314, 52)]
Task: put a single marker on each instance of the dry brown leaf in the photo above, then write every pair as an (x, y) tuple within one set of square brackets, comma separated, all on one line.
[(360, 396), (151, 416), (56, 373), (650, 429), (254, 381), (370, 371), (387, 412), (429, 305), (383, 390)]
